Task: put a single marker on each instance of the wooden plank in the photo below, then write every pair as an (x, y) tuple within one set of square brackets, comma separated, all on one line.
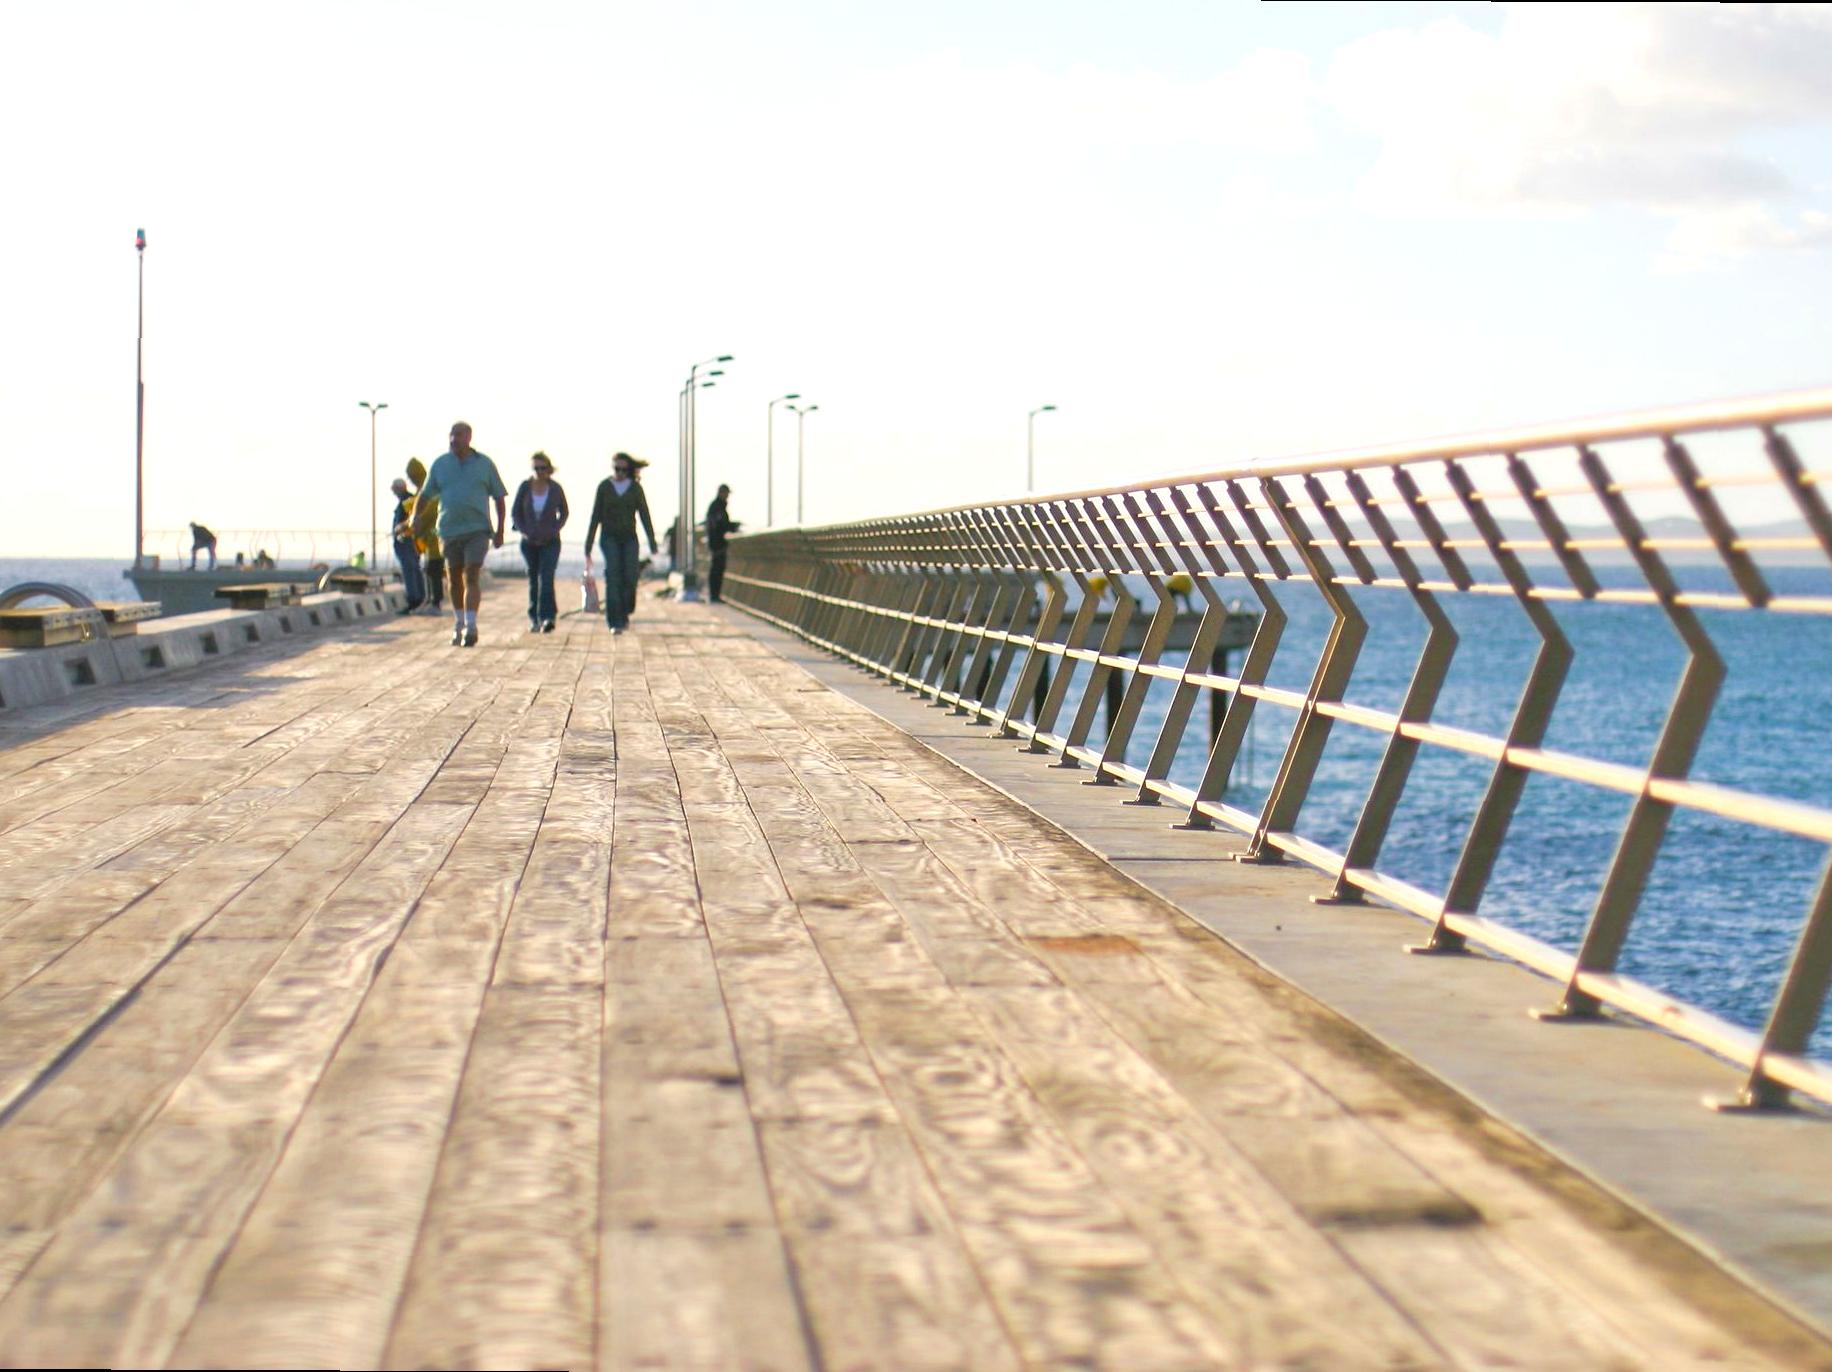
[(688, 1298), (1071, 1280), (1239, 1250), (503, 1273), (315, 1272), (124, 1273)]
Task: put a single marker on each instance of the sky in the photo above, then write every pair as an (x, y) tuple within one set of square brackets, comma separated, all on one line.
[(1206, 232)]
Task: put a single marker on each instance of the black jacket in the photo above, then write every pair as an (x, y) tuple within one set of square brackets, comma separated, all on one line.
[(718, 525)]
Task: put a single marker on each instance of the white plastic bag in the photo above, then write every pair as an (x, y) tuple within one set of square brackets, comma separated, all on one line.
[(588, 594)]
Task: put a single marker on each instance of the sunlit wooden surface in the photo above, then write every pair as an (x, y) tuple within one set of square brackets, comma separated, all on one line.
[(574, 1001)]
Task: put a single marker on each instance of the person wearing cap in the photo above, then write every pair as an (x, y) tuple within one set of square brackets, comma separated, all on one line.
[(620, 503), (406, 551), (539, 513)]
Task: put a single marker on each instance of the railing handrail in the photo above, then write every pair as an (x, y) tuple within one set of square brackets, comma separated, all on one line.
[(1781, 407), (963, 602)]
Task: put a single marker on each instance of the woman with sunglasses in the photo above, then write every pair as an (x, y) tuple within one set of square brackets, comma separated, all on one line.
[(619, 504), (540, 513)]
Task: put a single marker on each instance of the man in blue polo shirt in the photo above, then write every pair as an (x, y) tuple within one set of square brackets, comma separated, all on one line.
[(465, 482)]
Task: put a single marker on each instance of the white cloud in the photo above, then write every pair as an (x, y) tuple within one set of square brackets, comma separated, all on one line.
[(1263, 104), (1711, 237), (1568, 108)]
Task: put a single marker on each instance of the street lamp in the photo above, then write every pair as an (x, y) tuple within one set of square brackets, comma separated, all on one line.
[(140, 412), (801, 412), (769, 480), (374, 410), (1030, 447), (684, 524)]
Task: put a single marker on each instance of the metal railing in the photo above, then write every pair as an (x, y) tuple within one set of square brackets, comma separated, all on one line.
[(1690, 514), (293, 547)]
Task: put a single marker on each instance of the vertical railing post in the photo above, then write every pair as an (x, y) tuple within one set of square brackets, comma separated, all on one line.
[(1348, 630)]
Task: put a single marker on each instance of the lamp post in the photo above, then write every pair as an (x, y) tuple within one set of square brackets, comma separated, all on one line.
[(690, 589), (769, 459), (140, 409), (374, 410), (1030, 447), (801, 412)]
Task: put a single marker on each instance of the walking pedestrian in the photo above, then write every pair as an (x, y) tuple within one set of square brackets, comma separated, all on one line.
[(425, 515), (718, 524), (637, 466), (467, 485), (406, 551), (539, 512), (619, 504), (202, 540)]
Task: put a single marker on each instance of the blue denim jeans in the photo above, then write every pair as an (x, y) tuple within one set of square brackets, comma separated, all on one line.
[(542, 559), (413, 580), (620, 567)]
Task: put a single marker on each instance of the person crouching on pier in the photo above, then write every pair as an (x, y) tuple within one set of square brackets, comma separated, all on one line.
[(539, 512), (202, 540), (466, 484), (619, 504)]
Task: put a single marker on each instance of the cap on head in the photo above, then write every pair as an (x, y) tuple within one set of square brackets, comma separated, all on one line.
[(725, 490)]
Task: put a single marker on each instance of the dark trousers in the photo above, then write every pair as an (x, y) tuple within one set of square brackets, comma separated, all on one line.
[(435, 578), (620, 568), (715, 573), (413, 579), (542, 560)]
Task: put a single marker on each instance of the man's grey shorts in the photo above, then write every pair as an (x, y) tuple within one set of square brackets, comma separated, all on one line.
[(467, 550)]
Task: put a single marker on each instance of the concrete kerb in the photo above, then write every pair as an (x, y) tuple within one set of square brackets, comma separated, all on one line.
[(37, 676)]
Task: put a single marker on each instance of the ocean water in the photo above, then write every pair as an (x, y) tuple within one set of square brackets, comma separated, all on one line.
[(1725, 904)]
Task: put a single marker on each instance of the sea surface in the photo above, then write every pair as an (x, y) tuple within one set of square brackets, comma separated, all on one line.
[(1725, 904)]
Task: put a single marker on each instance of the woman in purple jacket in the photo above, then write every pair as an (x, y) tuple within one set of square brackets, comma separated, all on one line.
[(540, 513)]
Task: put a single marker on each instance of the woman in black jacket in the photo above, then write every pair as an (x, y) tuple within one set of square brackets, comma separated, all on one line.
[(540, 513)]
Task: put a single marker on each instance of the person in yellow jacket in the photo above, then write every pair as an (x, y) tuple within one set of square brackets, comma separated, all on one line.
[(425, 526)]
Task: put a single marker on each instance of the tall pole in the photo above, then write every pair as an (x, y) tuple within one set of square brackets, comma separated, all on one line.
[(374, 410), (1030, 447), (140, 409), (680, 521), (769, 460), (801, 414), (689, 456)]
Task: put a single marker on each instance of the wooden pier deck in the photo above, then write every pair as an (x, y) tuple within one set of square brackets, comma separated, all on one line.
[(641, 1003)]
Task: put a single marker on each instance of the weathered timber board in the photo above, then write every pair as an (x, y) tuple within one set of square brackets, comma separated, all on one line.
[(638, 1002)]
